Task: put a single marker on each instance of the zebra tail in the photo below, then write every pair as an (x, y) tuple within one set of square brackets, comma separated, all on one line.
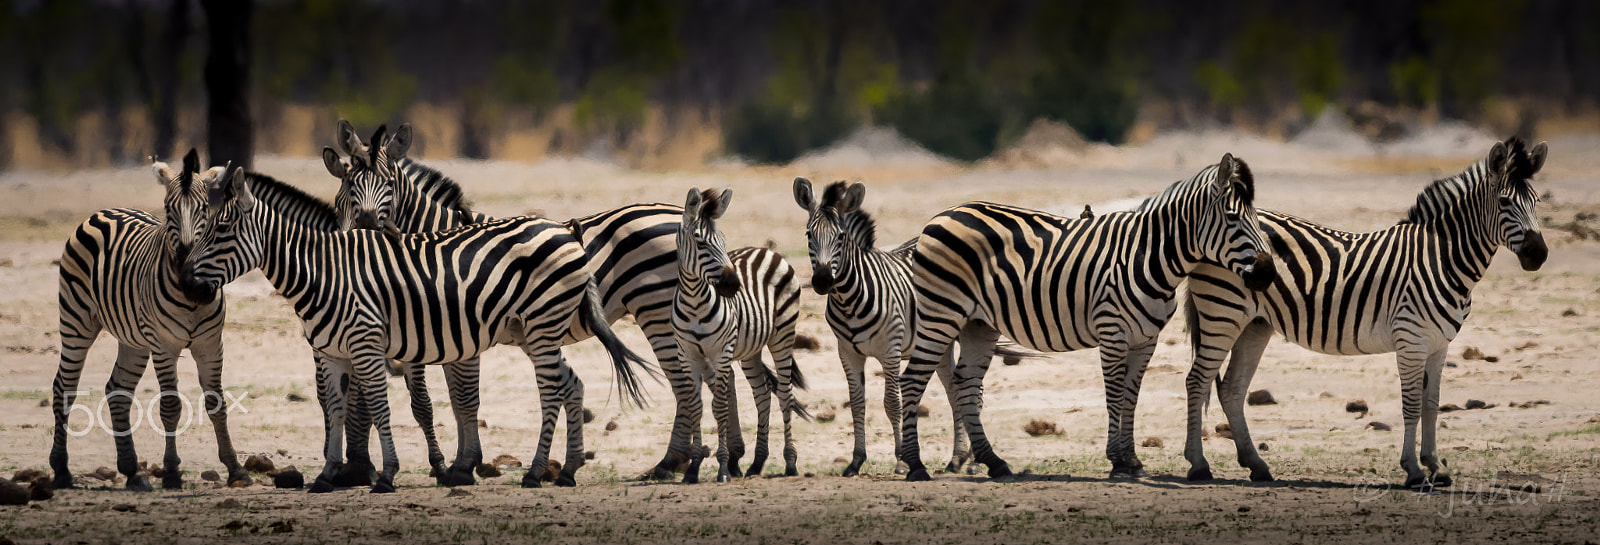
[(796, 380), (1013, 353), (623, 360), (1191, 320)]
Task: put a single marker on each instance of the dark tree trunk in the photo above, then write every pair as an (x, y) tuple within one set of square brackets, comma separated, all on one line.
[(229, 132), (165, 101)]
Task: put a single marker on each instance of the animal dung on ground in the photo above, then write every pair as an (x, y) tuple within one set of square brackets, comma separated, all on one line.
[(105, 474), (1357, 406), (841, 460), (1037, 427), (1152, 442), (229, 503), (458, 493), (827, 416), (12, 493), (125, 508), (1225, 430), (209, 475), (612, 425), (1478, 404), (506, 460), (27, 475), (1569, 313), (155, 471), (483, 424), (1530, 404), (288, 477), (803, 341), (257, 463), (1471, 353), (1379, 426), (41, 489), (488, 470), (1526, 345), (1262, 447), (1449, 408), (588, 455), (1260, 397), (1011, 360), (550, 471), (295, 397), (588, 415), (44, 403), (922, 410)]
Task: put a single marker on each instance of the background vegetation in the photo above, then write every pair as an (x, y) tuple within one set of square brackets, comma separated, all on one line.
[(109, 81)]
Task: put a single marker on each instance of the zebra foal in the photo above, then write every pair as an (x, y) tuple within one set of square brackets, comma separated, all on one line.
[(729, 305), (366, 297), (1056, 284), (1406, 289)]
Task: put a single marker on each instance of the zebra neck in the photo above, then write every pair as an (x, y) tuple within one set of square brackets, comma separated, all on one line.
[(1164, 259), (292, 256), (1468, 236), (695, 300), (852, 279)]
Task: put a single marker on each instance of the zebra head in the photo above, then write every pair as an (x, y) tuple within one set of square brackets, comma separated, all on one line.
[(702, 252), (1229, 231), (232, 244), (1519, 218), (368, 176), (829, 230), (187, 218)]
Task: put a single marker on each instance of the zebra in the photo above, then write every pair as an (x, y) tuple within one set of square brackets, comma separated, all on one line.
[(870, 307), (122, 272), (1056, 284), (1406, 289), (364, 297), (728, 306), (633, 248)]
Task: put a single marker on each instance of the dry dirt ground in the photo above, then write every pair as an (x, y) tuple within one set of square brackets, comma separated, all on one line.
[(1336, 475)]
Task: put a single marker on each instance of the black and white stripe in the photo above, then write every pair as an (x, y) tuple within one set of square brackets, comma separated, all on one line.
[(1406, 289), (1058, 284), (729, 305), (121, 273), (365, 297)]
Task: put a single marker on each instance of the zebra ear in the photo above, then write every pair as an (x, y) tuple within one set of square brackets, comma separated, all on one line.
[(803, 195), (1224, 171), (1537, 155), (853, 197), (1498, 156), (164, 173), (691, 204), (400, 143), (344, 135), (241, 190), (715, 209), (335, 164)]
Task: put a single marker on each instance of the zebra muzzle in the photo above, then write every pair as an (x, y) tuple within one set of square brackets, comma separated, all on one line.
[(193, 289), (1532, 253), (728, 284), (821, 281), (1261, 274)]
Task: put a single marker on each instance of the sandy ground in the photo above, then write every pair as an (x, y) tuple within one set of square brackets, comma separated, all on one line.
[(1336, 476)]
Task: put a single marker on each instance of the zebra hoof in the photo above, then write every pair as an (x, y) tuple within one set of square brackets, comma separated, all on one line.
[(691, 478), (138, 483), (918, 474), (354, 474), (1261, 475), (1200, 474), (321, 486), (733, 470), (791, 471), (566, 481), (660, 473), (63, 481), (1417, 482), (531, 480), (1000, 471), (851, 470), (900, 468), (241, 480), (383, 487), (172, 481), (457, 477), (1442, 481), (723, 477), (1123, 473)]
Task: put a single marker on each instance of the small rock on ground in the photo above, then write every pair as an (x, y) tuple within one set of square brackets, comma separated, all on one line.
[(1379, 426), (288, 477), (209, 475), (488, 470), (12, 493), (1152, 442), (1357, 406), (258, 464), (1260, 397)]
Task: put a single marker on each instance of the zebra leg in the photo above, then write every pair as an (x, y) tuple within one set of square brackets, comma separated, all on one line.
[(784, 365), (755, 373), (331, 383), (657, 326), (721, 395), (934, 337), (1235, 389), (1209, 347), (130, 367), (891, 407), (208, 361), (1137, 361), (416, 377), (977, 352), (1438, 473), (372, 367), (358, 469), (1413, 360), (854, 364), (1115, 356), (461, 378), (572, 392), (696, 412), (960, 451), (551, 374), (166, 368), (78, 331)]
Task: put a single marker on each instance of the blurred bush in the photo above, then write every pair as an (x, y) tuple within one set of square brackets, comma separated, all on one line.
[(767, 133), (957, 117)]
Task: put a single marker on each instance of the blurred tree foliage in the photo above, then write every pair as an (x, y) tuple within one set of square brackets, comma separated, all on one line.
[(784, 76)]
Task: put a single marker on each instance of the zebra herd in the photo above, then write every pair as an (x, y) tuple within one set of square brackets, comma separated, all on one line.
[(398, 273)]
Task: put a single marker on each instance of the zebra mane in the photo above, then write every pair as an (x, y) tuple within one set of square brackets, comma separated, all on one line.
[(1443, 195), (1245, 188), (436, 185), (285, 198), (858, 225)]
